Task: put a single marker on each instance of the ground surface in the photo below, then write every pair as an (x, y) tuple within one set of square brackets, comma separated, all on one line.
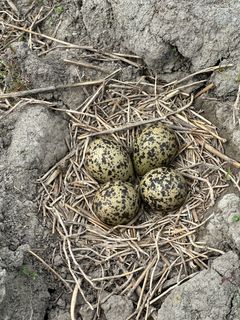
[(172, 39)]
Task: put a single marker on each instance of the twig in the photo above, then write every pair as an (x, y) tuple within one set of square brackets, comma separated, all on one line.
[(53, 88), (206, 70), (171, 288), (85, 65), (49, 89), (73, 302), (204, 90), (13, 7), (235, 106), (219, 153)]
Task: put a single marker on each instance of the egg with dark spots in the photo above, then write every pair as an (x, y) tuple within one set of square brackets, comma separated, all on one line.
[(163, 189), (106, 160), (155, 147), (116, 203)]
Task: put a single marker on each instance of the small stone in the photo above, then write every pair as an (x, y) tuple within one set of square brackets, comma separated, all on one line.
[(61, 303), (2, 284), (236, 138), (229, 202), (58, 261), (117, 308), (86, 313)]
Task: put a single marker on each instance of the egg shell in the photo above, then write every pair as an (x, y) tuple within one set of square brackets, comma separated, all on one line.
[(106, 160), (163, 189), (156, 147), (116, 203)]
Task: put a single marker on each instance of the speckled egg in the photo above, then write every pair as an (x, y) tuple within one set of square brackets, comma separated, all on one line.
[(155, 147), (116, 203), (107, 160), (163, 189)]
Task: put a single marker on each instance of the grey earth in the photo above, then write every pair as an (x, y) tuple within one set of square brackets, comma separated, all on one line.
[(173, 39), (212, 294)]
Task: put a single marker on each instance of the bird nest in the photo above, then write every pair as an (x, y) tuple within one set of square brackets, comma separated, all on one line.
[(147, 258)]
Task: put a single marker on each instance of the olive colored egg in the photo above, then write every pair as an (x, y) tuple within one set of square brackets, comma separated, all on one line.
[(116, 203), (155, 147), (163, 189), (106, 160)]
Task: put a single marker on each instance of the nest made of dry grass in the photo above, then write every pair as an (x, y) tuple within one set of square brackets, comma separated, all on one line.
[(149, 257)]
